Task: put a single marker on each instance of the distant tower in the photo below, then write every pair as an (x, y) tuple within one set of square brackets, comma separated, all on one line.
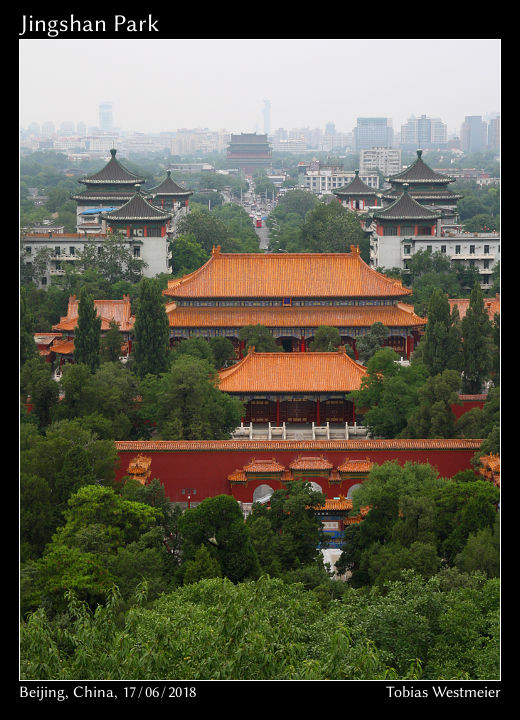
[(267, 117), (105, 117)]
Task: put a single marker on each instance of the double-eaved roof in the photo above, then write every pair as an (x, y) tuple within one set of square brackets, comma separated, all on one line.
[(285, 275), (297, 372), (420, 172), (113, 174)]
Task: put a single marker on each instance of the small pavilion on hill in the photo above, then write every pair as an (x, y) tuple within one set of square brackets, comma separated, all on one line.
[(294, 387), (292, 294)]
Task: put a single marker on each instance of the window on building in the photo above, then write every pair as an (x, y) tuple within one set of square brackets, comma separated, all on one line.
[(443, 248), (407, 249), (424, 230), (457, 249), (471, 249), (486, 249), (407, 230), (486, 264), (390, 231), (57, 251), (137, 252), (28, 250), (429, 248), (44, 281), (71, 250)]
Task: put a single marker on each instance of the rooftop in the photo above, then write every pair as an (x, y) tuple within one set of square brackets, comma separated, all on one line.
[(420, 172), (112, 173), (292, 373), (399, 315), (118, 310), (279, 275)]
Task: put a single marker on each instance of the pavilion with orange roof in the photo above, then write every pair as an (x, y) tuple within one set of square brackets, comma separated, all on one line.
[(292, 294), (119, 311), (294, 387)]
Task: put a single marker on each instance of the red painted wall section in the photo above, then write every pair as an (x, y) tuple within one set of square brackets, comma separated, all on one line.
[(183, 465), (459, 410)]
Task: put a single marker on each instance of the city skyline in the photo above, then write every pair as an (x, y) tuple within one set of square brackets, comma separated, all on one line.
[(165, 85)]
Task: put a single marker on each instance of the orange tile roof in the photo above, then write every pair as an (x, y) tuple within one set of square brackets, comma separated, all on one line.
[(400, 315), (444, 444), (257, 275), (264, 466), (108, 310), (238, 476), (63, 347), (351, 465), (492, 305), (292, 373), (139, 468), (336, 504), (310, 463)]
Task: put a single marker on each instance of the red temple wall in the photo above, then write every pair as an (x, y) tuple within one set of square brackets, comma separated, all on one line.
[(459, 410), (207, 469)]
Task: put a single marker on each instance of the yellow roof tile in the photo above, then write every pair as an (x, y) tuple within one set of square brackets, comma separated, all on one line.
[(292, 373), (261, 275), (400, 315)]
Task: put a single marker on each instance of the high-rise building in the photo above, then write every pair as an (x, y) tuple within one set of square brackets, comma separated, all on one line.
[(373, 132), (473, 134), (105, 117), (494, 134), (386, 160), (423, 132)]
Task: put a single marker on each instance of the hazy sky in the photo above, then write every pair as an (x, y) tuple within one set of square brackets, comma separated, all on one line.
[(159, 85)]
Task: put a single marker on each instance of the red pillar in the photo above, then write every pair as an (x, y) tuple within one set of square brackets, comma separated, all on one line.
[(318, 410), (242, 344), (303, 345), (356, 354), (278, 411), (409, 346)]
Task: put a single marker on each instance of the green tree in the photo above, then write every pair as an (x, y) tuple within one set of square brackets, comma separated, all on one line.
[(372, 341), (186, 403), (477, 351), (389, 393), (331, 228), (203, 565), (293, 519), (111, 343), (223, 351), (207, 229), (218, 525), (186, 254), (36, 380), (28, 347), (434, 417), (88, 333), (259, 337), (151, 348), (113, 260), (326, 339), (441, 344)]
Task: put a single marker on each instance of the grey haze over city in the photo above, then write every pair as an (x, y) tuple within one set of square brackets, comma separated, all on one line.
[(167, 84)]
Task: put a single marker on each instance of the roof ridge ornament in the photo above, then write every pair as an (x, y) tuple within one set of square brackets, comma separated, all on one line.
[(419, 153), (354, 249), (216, 249)]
